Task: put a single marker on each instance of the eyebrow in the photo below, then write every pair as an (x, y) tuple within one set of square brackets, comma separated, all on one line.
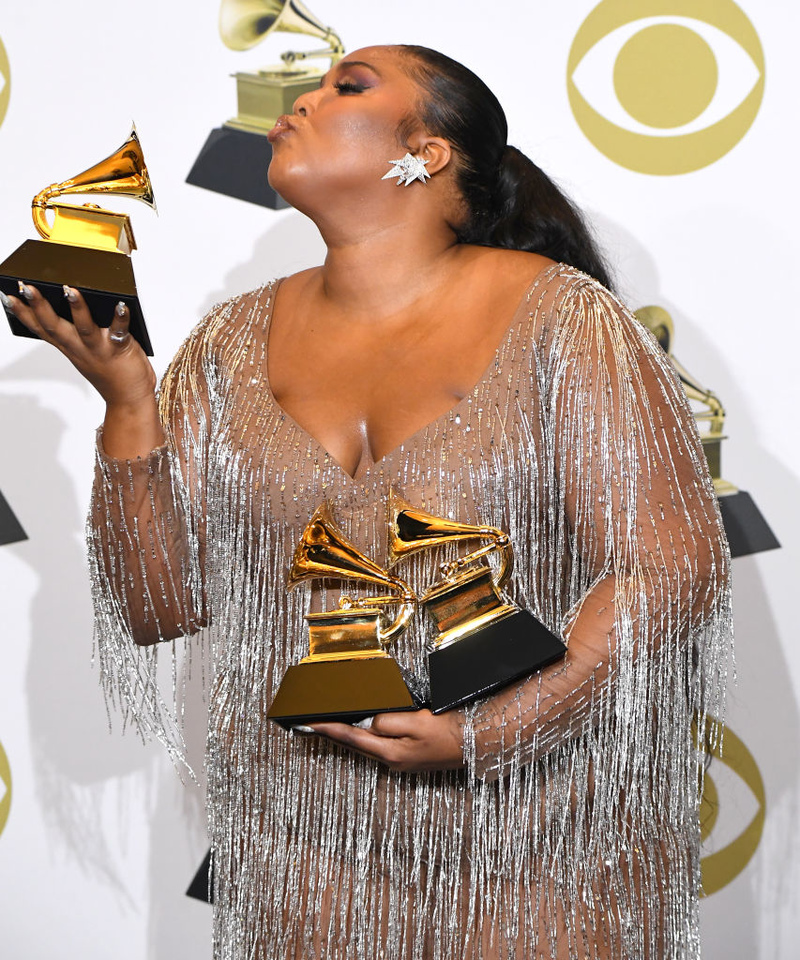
[(351, 63)]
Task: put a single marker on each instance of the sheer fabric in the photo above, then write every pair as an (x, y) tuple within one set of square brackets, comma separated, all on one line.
[(573, 830)]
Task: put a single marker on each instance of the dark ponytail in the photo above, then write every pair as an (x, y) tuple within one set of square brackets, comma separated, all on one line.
[(510, 201)]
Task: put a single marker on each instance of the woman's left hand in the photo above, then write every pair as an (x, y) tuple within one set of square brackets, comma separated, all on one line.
[(409, 742)]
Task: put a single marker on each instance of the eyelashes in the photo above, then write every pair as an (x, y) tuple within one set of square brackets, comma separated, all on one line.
[(349, 86)]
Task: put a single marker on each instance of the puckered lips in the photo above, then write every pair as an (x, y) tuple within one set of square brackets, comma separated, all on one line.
[(283, 125)]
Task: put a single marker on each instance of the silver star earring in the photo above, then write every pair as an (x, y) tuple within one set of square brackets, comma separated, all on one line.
[(409, 168)]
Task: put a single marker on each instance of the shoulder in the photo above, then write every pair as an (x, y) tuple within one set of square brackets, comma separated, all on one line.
[(581, 303)]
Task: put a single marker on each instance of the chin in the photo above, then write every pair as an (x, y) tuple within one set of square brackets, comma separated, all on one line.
[(283, 181)]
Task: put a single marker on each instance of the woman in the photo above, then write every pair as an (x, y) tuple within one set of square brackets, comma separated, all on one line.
[(441, 351)]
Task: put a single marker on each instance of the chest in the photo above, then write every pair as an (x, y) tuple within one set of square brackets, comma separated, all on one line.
[(362, 390)]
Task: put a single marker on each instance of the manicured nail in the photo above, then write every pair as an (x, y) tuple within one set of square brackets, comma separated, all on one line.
[(25, 291), (6, 302), (121, 308), (302, 728), (70, 294)]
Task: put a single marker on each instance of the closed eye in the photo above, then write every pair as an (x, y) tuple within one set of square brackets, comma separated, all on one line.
[(349, 86)]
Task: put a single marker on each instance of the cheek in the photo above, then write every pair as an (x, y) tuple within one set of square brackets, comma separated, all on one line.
[(341, 152), (356, 137)]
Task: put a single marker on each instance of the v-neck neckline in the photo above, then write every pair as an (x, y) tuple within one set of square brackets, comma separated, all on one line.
[(363, 470)]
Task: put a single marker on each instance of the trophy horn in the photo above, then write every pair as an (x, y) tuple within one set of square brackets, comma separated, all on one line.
[(325, 552), (412, 529), (123, 173), (245, 23)]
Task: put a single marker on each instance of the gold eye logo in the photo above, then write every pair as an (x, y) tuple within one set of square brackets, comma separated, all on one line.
[(722, 811), (669, 89), (5, 82), (5, 788)]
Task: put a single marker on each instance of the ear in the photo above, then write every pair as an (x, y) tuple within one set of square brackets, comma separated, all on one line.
[(435, 150)]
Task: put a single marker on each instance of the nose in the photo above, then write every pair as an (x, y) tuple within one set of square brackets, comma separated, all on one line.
[(304, 104)]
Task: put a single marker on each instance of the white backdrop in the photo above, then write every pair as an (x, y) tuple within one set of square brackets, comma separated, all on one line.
[(102, 838)]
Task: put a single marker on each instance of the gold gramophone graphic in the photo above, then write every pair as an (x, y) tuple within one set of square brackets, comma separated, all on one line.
[(712, 414), (482, 641), (745, 526), (86, 246), (235, 157), (348, 674)]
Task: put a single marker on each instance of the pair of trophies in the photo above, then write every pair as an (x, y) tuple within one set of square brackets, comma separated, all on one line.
[(481, 641)]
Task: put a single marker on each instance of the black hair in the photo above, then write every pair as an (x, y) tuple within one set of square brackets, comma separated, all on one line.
[(510, 201)]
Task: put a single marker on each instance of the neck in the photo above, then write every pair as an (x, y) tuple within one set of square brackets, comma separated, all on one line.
[(381, 265)]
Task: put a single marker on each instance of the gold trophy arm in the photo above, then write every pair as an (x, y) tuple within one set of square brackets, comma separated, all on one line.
[(501, 544), (715, 412), (408, 604)]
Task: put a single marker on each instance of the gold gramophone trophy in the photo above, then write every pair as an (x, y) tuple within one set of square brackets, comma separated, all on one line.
[(482, 641), (86, 246), (235, 157), (745, 526), (659, 323), (348, 674)]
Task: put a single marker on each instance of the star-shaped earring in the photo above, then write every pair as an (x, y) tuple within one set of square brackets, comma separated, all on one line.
[(409, 168)]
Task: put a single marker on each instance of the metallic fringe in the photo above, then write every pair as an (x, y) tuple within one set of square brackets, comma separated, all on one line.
[(573, 830)]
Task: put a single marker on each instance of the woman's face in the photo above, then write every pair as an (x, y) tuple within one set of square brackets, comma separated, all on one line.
[(342, 136)]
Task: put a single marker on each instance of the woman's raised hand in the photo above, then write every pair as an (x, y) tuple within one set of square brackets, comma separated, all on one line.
[(109, 358)]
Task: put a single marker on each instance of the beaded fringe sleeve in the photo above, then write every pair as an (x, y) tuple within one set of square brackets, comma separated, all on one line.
[(572, 832)]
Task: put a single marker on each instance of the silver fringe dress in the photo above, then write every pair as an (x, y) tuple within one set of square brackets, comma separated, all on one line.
[(572, 831)]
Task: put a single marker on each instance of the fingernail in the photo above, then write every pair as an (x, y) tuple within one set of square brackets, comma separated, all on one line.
[(70, 294), (302, 728), (121, 308), (24, 290), (6, 302)]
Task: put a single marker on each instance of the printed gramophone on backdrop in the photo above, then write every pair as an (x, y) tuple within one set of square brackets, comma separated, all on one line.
[(85, 246), (348, 674), (235, 156), (481, 641), (745, 526)]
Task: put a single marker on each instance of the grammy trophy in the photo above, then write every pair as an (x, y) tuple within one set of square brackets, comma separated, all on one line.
[(235, 156), (348, 674), (86, 246), (482, 642)]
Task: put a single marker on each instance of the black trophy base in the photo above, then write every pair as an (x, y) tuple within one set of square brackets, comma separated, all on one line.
[(747, 530), (10, 528), (343, 690), (102, 276), (234, 163), (202, 885), (484, 661)]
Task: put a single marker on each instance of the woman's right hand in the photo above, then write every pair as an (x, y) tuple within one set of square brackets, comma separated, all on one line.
[(109, 358)]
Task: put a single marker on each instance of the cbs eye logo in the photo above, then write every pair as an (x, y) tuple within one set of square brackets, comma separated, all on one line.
[(665, 86), (731, 816), (5, 82), (5, 788)]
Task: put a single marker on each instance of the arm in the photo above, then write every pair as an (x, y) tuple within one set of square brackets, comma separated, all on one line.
[(642, 529), (146, 528)]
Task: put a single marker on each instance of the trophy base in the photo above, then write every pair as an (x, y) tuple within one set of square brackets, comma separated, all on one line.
[(482, 662), (747, 530), (343, 690), (103, 277), (10, 528), (234, 163)]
